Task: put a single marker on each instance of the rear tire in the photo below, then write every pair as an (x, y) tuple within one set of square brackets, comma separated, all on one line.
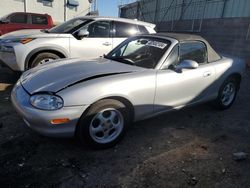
[(104, 124), (43, 58), (227, 94)]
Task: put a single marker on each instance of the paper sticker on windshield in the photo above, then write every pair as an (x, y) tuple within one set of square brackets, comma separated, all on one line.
[(156, 44)]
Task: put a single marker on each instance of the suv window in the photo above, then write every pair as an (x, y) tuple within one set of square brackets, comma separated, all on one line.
[(19, 18), (99, 29), (195, 51), (38, 19), (125, 29), (70, 26)]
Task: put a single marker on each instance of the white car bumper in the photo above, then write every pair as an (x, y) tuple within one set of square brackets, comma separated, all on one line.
[(40, 120), (8, 57)]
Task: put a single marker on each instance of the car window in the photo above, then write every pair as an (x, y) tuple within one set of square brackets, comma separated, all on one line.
[(195, 51), (70, 26), (143, 52), (99, 29), (18, 18), (124, 30), (38, 19), (5, 18)]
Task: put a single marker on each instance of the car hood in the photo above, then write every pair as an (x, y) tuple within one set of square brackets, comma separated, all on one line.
[(31, 33), (57, 75)]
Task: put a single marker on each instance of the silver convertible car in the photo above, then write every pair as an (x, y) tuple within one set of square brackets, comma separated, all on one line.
[(96, 100)]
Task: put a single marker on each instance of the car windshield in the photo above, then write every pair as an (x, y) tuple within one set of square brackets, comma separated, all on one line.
[(69, 26), (4, 18), (142, 51)]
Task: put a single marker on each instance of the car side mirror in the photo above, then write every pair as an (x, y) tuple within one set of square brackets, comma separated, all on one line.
[(82, 33), (187, 64)]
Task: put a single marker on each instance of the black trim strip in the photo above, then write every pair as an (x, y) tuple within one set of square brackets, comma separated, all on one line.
[(91, 78)]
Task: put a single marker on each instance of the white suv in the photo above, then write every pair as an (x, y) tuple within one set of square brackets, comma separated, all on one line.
[(87, 37)]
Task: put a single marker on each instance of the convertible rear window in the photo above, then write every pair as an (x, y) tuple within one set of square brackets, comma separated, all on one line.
[(142, 51)]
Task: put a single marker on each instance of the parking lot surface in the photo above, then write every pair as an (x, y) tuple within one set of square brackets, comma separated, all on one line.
[(192, 147)]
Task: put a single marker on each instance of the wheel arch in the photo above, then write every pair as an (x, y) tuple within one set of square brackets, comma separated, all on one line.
[(237, 77), (31, 56), (123, 100), (127, 104), (217, 102)]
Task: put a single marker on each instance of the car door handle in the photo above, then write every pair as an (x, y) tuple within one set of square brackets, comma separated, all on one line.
[(106, 43), (207, 73)]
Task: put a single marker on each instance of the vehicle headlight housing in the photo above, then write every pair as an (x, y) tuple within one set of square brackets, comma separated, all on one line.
[(18, 40), (46, 101)]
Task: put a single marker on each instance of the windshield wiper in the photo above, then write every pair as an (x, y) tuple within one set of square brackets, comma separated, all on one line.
[(120, 59)]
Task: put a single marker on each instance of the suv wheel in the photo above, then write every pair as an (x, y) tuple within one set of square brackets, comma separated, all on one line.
[(43, 58)]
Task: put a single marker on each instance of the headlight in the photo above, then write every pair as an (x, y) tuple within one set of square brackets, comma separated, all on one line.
[(22, 40), (46, 101)]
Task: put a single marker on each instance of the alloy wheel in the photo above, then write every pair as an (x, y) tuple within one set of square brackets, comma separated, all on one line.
[(106, 125)]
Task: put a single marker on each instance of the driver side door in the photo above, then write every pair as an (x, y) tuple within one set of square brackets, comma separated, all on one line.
[(175, 89), (98, 42)]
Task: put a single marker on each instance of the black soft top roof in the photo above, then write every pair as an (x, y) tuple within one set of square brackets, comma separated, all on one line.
[(181, 37)]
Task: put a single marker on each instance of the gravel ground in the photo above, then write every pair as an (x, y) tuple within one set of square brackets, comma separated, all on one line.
[(190, 148)]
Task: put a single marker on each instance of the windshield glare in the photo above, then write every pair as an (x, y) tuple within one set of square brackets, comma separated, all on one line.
[(143, 52), (69, 26)]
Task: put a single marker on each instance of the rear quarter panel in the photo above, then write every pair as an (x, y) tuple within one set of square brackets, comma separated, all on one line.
[(226, 67)]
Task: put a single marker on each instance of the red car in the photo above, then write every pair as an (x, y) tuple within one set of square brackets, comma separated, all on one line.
[(20, 20)]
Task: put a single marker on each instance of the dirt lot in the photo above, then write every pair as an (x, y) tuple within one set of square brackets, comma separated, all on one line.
[(189, 148)]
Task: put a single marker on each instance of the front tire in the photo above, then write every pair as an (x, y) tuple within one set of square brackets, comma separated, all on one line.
[(227, 94), (43, 58), (104, 124)]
